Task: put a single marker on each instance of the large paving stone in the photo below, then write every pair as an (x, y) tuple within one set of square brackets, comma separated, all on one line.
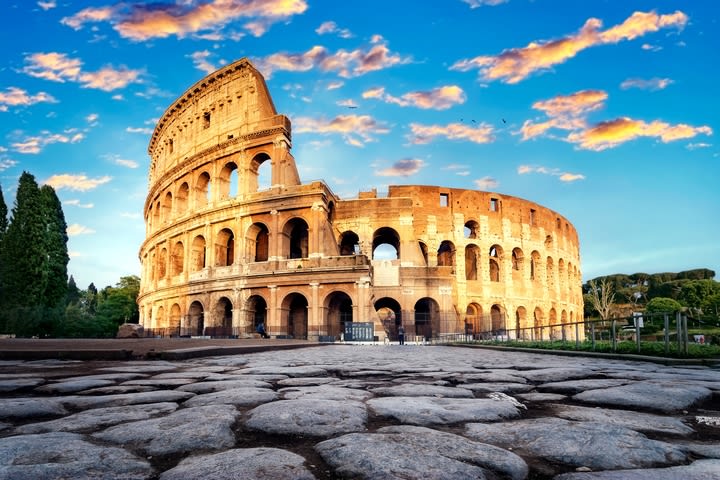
[(325, 392), (499, 387), (98, 418), (545, 375), (639, 421), (159, 396), (428, 411), (404, 452), (241, 397), (245, 464), (666, 397), (598, 446), (186, 430), (422, 390), (19, 408), (571, 387), (62, 456), (290, 371), (218, 385), (698, 470), (308, 417), (13, 384), (73, 386)]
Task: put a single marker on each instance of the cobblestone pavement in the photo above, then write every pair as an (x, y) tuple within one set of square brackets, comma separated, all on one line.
[(374, 412)]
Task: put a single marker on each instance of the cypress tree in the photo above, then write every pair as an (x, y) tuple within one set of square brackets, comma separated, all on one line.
[(23, 254), (56, 253), (3, 216), (73, 292)]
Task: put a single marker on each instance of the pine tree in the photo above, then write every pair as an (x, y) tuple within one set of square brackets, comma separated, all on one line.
[(3, 216), (73, 292), (56, 252), (23, 254)]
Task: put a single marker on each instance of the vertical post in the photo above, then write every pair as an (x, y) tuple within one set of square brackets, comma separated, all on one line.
[(592, 333), (678, 328), (685, 335), (614, 338), (666, 320), (637, 334), (577, 335)]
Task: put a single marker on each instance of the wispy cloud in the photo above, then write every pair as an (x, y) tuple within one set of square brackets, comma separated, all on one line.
[(516, 64), (76, 203), (35, 144), (58, 67), (422, 134), (487, 183), (14, 96), (332, 28), (349, 103), (356, 130), (143, 130), (335, 85), (139, 22), (612, 133), (47, 5), (461, 170), (566, 112), (402, 168), (483, 3), (440, 98), (6, 163), (77, 229), (347, 64), (649, 84), (78, 183), (563, 176), (126, 163), (200, 60), (695, 146)]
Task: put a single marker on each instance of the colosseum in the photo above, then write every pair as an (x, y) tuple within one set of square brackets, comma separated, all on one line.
[(235, 239)]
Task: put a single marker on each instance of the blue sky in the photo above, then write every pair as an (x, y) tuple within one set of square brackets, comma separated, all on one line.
[(605, 111)]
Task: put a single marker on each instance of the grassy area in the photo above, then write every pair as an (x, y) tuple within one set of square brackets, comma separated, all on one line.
[(656, 349)]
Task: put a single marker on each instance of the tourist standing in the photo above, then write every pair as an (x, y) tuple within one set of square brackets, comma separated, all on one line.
[(401, 335)]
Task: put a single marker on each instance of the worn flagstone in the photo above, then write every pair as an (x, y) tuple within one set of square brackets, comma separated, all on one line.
[(698, 470), (242, 396), (639, 421), (662, 396), (308, 417), (426, 411)]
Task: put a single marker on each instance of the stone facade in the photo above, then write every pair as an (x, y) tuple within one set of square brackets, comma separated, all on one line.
[(224, 252)]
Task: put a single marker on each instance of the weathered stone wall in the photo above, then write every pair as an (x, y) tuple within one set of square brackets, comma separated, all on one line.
[(223, 252)]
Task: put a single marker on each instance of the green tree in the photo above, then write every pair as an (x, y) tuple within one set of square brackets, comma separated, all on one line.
[(118, 305), (602, 297), (662, 305), (694, 292), (23, 254), (73, 293), (3, 215), (56, 252)]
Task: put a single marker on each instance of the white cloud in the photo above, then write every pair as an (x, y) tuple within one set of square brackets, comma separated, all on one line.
[(487, 183), (77, 229), (79, 183)]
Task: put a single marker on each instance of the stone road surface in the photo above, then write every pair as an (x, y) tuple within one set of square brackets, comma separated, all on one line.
[(349, 411)]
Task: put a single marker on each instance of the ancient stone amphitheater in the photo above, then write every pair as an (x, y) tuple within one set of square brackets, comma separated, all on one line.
[(234, 239)]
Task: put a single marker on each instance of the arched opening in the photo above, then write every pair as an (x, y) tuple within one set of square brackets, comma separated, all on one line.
[(549, 242), (564, 327), (261, 170), (196, 320), (550, 271), (497, 319), (554, 329), (160, 318), (521, 323), (517, 263), (446, 254), (472, 257), (167, 208), (228, 177), (390, 315), (256, 308), (474, 319), (225, 248), (495, 260), (197, 258), (338, 306), (178, 259), (257, 240), (181, 199), (174, 320), (534, 265), (202, 190), (427, 318), (386, 244), (472, 229), (296, 238), (162, 263), (222, 319), (349, 243), (156, 215), (295, 309), (423, 252), (538, 322), (561, 275)]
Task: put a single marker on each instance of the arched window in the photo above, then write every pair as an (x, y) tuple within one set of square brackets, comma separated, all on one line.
[(225, 248), (386, 244), (198, 254), (495, 260), (181, 199), (472, 256), (471, 229), (349, 243), (227, 182), (178, 259), (296, 238), (446, 254), (202, 190), (257, 240)]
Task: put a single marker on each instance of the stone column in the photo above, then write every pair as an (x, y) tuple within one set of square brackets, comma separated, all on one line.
[(315, 324)]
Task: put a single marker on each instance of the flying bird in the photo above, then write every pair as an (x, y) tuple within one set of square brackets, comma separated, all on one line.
[(504, 120), (352, 106)]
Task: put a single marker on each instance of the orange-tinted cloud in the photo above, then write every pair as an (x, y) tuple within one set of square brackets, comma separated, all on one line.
[(516, 64), (331, 27), (201, 63), (347, 64), (566, 112), (422, 134), (35, 144), (58, 67), (563, 176), (402, 168), (77, 229), (649, 84), (356, 130), (614, 132), (14, 96), (80, 183), (140, 22), (440, 98)]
